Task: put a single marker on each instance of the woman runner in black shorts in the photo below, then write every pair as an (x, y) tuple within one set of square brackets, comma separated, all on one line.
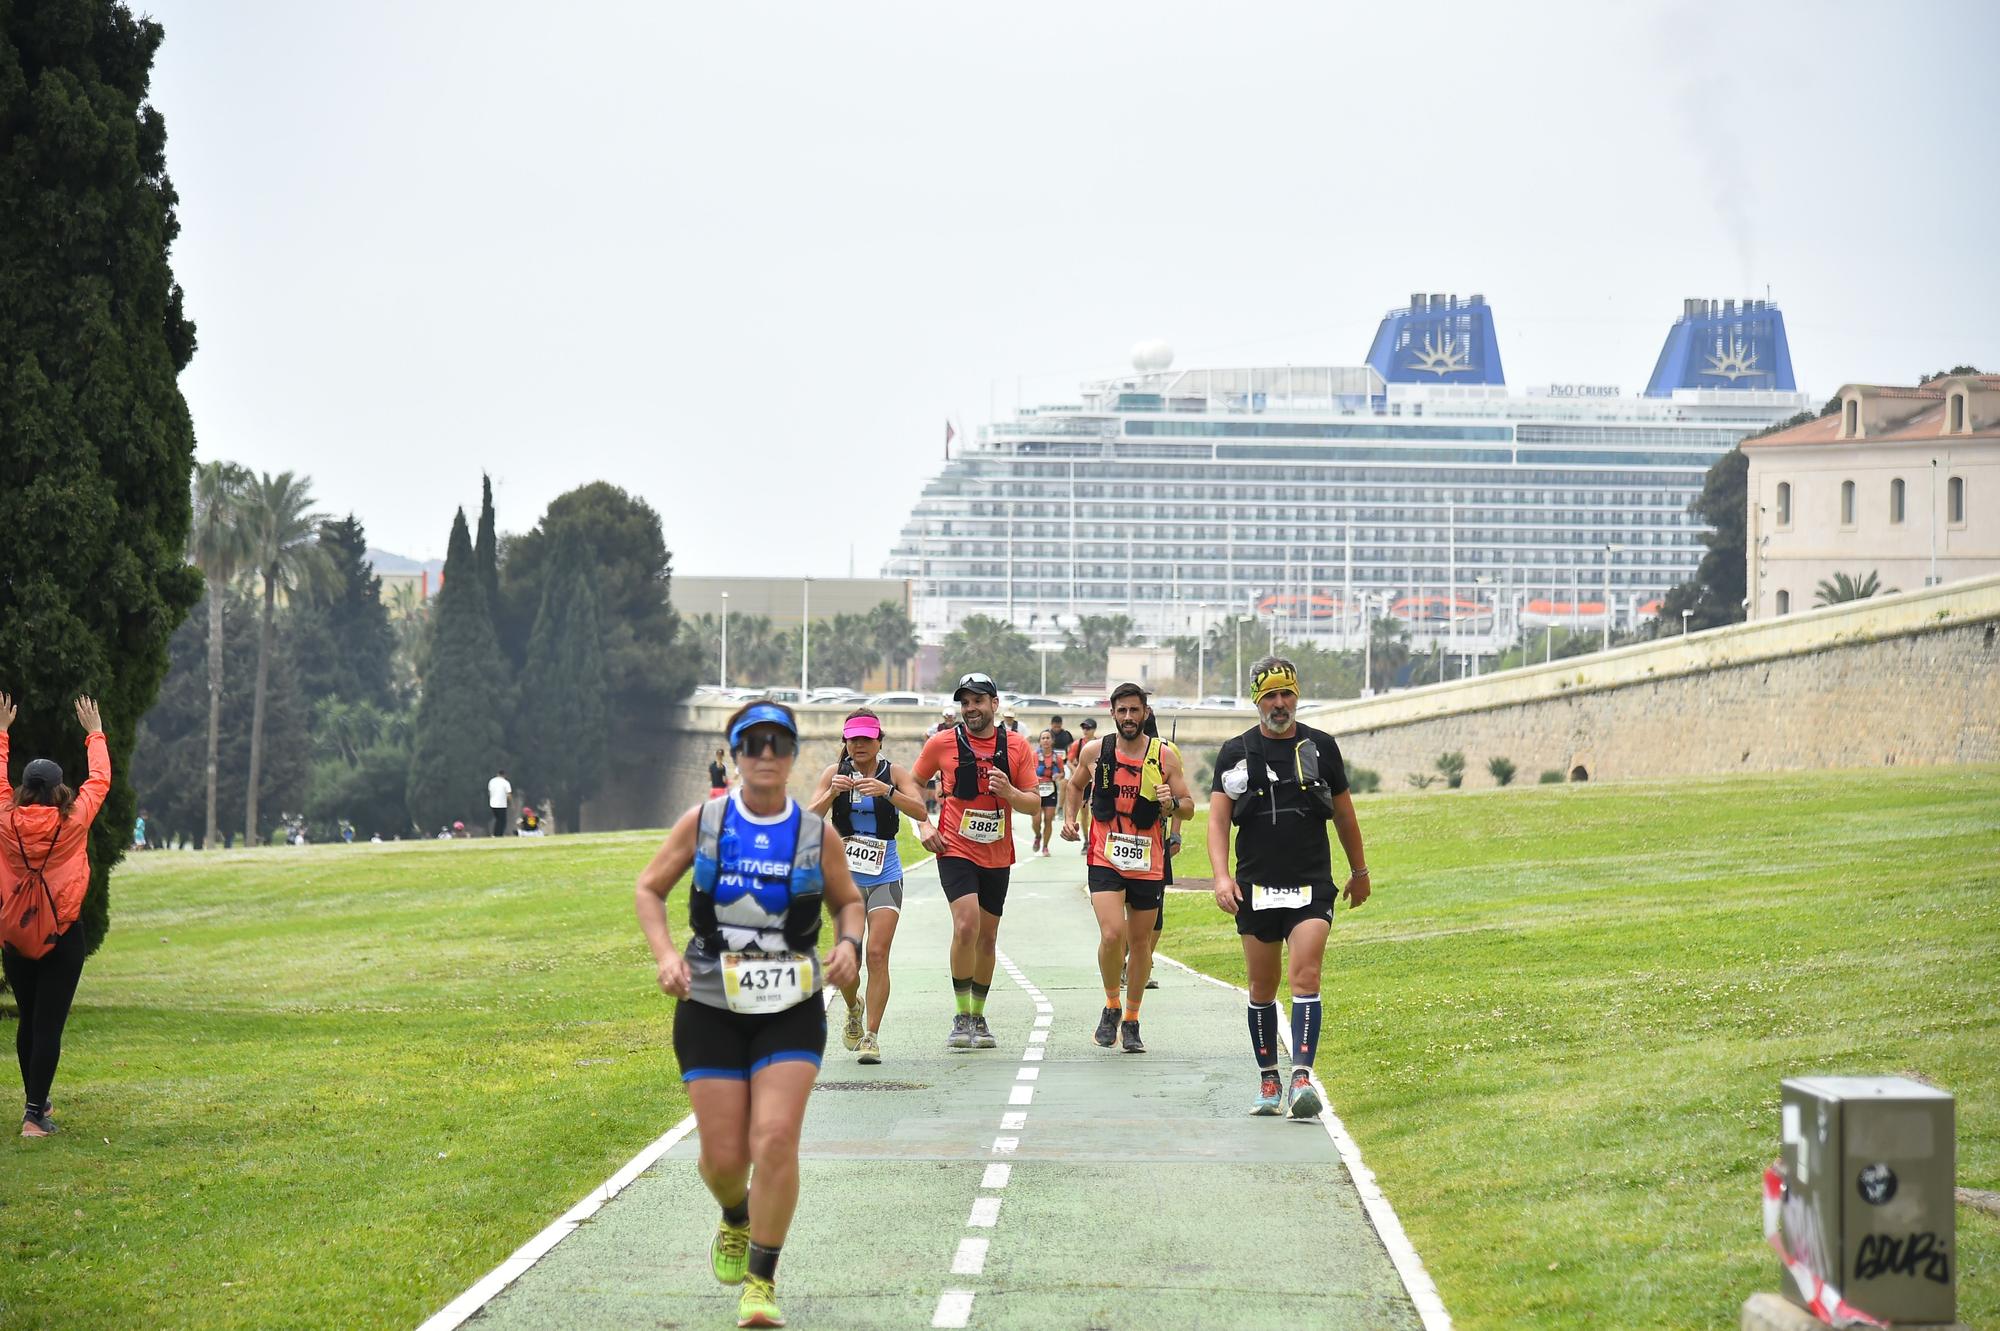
[(750, 1026)]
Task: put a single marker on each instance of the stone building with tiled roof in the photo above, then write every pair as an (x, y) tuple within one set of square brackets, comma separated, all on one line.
[(1900, 482)]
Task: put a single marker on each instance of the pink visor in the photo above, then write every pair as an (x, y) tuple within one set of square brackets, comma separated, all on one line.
[(861, 727)]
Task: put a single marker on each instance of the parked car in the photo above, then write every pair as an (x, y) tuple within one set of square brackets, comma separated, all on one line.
[(836, 695), (1162, 701), (899, 700), (1223, 702), (1037, 704), (789, 696)]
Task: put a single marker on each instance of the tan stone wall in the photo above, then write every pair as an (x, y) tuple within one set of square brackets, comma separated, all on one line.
[(1913, 679)]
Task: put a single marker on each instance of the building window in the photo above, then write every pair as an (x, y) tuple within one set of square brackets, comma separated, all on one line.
[(1954, 502), (1847, 503), (1851, 419), (1784, 503), (1958, 413), (1896, 501), (1784, 603)]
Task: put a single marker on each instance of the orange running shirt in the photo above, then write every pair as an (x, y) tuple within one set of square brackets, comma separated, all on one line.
[(940, 758), (1125, 779)]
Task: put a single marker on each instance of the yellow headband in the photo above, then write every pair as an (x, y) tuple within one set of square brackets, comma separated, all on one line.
[(1273, 680)]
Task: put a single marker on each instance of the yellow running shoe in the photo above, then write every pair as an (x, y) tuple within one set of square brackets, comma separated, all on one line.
[(729, 1255), (759, 1304), (850, 1035)]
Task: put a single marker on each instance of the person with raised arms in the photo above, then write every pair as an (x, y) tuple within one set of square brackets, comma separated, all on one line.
[(865, 793), (1277, 786), (987, 776), (750, 1026)]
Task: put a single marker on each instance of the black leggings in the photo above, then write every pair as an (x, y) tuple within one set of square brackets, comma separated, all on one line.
[(43, 989)]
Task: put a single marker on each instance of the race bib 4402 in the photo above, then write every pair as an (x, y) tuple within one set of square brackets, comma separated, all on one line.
[(866, 855), (753, 983)]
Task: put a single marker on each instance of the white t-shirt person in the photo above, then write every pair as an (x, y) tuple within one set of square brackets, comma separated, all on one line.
[(498, 790)]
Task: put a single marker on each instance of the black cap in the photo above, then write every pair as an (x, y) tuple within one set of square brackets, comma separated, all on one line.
[(43, 772), (1088, 723), (975, 683)]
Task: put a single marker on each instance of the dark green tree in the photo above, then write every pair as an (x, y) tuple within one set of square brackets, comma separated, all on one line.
[(1087, 648), (96, 445), (565, 709), (1947, 374), (486, 548), (647, 667), (343, 645), (459, 736), (1844, 587), (993, 647), (285, 556), (169, 763), (1716, 593)]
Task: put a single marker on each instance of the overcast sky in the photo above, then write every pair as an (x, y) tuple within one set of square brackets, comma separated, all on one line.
[(745, 259)]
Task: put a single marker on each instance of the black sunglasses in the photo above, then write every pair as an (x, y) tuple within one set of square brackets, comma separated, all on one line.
[(774, 742)]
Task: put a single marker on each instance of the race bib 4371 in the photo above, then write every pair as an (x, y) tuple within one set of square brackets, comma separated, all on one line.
[(754, 984)]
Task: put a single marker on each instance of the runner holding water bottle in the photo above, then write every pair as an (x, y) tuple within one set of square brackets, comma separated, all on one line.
[(867, 797)]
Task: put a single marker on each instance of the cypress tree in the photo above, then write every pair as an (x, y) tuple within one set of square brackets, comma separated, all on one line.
[(457, 742), (486, 550), (344, 646), (96, 445), (565, 711)]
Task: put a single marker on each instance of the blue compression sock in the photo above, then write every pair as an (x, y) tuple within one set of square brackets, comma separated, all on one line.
[(1305, 1029), (1264, 1035)]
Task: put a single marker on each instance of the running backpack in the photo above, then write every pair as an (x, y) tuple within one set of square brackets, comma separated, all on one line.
[(29, 921)]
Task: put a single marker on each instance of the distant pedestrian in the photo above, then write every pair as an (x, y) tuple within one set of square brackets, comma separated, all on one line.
[(44, 871), (718, 775), (1062, 737), (139, 831), (498, 791)]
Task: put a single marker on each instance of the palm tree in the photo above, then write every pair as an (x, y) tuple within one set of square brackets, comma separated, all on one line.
[(219, 545), (1843, 588), (285, 553), (895, 638), (1388, 649)]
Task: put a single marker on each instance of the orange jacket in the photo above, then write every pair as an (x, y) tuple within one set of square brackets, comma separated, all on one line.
[(41, 833)]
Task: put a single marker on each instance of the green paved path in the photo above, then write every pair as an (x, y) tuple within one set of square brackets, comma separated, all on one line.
[(1045, 1183)]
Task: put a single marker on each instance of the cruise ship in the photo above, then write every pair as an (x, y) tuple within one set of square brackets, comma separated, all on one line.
[(1418, 485)]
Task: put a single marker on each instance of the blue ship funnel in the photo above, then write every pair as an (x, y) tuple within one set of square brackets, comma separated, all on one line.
[(1438, 340), (1726, 344)]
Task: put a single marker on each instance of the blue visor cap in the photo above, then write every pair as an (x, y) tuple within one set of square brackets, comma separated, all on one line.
[(763, 714)]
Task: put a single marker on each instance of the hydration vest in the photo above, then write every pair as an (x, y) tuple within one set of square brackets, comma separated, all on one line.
[(1104, 794), (885, 808), (967, 782), (807, 884), (1297, 765)]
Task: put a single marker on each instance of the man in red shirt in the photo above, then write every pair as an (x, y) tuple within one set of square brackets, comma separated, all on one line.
[(987, 775)]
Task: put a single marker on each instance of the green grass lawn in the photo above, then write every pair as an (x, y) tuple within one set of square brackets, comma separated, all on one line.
[(334, 1086), (1558, 1028)]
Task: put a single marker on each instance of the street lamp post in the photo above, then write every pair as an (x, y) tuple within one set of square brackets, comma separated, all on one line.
[(1238, 621), (1367, 651), (1201, 654), (805, 633), (723, 679), (1684, 622)]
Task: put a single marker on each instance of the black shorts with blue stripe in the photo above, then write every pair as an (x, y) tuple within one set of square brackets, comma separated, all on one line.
[(736, 1046)]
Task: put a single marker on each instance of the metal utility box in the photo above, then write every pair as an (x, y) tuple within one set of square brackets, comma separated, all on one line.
[(1869, 1165)]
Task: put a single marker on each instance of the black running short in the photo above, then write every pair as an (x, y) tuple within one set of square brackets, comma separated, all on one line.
[(962, 878), (1140, 893), (1275, 926), (1048, 801), (736, 1046)]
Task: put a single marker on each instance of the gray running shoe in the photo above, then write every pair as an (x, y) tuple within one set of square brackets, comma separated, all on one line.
[(1133, 1044), (1152, 981), (1305, 1100), (1270, 1099), (1107, 1027), (961, 1031), (982, 1038), (871, 1050)]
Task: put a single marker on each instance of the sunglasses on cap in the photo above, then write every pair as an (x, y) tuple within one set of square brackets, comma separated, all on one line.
[(777, 743), (976, 683)]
